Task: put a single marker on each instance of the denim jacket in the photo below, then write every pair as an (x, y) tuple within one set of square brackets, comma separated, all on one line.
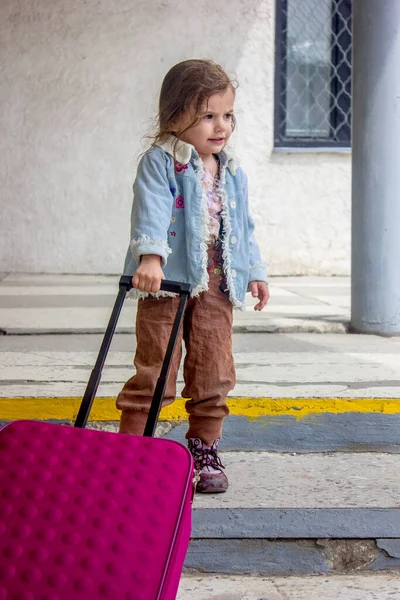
[(170, 218)]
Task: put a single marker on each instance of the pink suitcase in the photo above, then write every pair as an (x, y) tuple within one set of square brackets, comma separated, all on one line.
[(94, 515)]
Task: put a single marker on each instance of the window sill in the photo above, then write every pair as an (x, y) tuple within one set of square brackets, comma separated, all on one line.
[(310, 150)]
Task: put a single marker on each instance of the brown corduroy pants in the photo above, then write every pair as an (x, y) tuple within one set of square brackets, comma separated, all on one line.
[(209, 372)]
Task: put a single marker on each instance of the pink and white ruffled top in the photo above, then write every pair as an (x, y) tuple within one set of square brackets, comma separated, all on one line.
[(212, 188)]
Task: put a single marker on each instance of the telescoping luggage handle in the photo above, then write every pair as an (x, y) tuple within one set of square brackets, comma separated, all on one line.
[(125, 284)]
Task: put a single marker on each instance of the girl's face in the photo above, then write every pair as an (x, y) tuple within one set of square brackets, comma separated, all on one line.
[(214, 129)]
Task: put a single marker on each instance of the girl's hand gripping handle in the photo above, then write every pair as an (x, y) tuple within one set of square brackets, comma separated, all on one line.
[(148, 275)]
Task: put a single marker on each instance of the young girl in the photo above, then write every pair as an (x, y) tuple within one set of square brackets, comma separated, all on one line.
[(191, 223)]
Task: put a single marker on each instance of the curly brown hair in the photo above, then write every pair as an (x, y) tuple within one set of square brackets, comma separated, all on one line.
[(187, 86)]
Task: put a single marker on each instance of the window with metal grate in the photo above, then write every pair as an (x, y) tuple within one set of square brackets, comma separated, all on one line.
[(313, 73)]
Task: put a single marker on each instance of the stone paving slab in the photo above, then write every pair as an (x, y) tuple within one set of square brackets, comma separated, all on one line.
[(300, 523), (94, 320), (63, 293), (105, 293), (78, 303), (278, 557), (317, 432), (267, 366), (338, 480), (40, 279), (339, 587), (59, 389), (347, 432), (292, 343)]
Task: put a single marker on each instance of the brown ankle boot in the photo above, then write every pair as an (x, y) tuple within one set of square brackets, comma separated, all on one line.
[(208, 466)]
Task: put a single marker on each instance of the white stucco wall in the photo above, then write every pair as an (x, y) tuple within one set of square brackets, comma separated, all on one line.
[(78, 88)]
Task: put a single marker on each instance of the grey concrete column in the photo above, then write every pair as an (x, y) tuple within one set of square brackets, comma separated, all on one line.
[(375, 305)]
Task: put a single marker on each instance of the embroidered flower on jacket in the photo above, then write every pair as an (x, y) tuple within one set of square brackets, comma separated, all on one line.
[(180, 202), (180, 167), (173, 233)]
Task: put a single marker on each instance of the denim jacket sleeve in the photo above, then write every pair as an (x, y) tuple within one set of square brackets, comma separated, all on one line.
[(257, 268), (152, 207)]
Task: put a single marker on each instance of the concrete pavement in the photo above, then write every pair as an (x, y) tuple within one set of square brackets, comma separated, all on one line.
[(356, 587), (81, 303), (375, 587)]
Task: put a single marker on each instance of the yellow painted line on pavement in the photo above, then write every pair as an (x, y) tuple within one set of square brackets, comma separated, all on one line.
[(104, 408)]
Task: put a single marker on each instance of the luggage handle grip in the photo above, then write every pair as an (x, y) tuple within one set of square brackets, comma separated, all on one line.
[(174, 287)]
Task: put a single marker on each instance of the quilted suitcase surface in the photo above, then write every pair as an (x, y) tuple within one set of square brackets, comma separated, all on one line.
[(91, 515)]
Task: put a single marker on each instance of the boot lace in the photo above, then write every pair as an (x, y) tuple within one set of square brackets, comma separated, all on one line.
[(205, 457)]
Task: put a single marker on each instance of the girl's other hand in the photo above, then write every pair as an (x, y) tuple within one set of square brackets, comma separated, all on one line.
[(148, 275), (259, 289)]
